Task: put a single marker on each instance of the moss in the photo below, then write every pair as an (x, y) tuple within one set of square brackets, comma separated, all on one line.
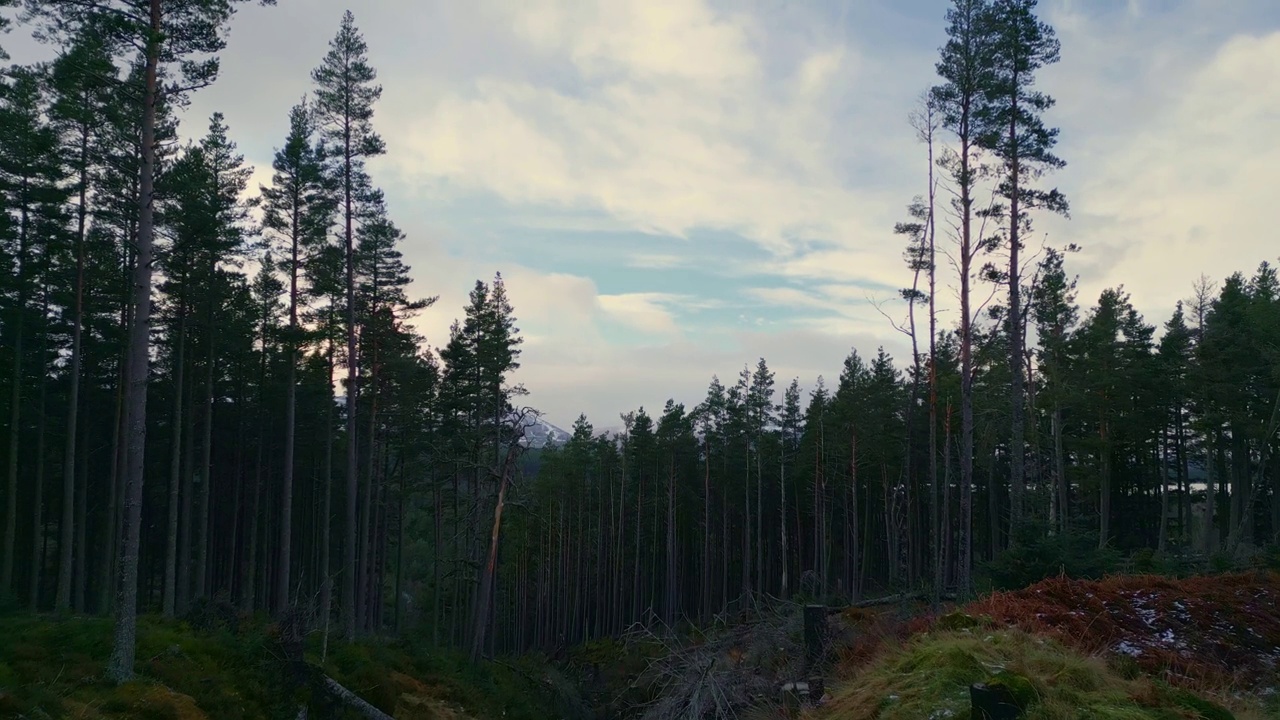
[(930, 676), (1022, 690), (1204, 709), (52, 667), (957, 620)]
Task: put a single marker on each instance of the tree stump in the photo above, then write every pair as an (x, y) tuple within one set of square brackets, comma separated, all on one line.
[(993, 702), (815, 625)]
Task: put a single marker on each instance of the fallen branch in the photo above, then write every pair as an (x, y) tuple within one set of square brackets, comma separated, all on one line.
[(355, 702), (888, 600)]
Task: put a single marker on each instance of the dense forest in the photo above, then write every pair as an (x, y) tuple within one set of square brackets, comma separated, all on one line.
[(216, 394)]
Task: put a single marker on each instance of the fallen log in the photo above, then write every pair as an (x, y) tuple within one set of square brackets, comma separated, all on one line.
[(354, 701), (889, 600)]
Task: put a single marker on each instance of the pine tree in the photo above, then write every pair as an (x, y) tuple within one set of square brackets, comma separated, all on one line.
[(298, 212), (169, 34), (82, 80), (30, 177), (1011, 127), (1053, 307), (964, 67), (345, 94)]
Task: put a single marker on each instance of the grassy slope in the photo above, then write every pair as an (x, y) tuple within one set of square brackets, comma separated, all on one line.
[(51, 667), (930, 678), (1129, 648)]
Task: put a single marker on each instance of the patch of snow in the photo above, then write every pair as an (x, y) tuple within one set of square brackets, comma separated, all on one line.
[(1127, 648)]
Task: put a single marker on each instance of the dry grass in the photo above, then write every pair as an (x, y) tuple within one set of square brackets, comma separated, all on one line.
[(929, 678), (1196, 632)]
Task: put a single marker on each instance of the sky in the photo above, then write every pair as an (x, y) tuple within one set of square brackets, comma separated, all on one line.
[(675, 188)]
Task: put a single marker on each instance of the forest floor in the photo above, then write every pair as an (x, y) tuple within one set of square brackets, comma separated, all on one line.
[(1123, 648), (52, 667)]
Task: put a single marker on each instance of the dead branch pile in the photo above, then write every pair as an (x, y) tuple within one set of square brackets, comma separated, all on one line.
[(725, 671)]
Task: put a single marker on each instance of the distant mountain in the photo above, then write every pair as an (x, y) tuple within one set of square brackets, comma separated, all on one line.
[(539, 433)]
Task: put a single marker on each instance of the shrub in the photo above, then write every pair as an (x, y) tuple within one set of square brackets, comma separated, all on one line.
[(1038, 555)]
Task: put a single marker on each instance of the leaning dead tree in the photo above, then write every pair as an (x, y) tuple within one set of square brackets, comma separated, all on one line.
[(503, 474)]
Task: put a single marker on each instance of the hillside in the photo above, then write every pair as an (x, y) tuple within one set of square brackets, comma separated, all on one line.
[(1138, 648)]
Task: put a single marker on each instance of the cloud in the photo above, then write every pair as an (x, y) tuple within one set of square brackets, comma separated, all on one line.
[(646, 312), (783, 126), (1187, 186), (669, 120)]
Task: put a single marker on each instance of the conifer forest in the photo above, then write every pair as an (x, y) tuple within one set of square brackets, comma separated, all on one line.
[(215, 394)]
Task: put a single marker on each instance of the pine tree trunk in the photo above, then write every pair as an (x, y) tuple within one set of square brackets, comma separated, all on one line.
[(175, 468), (326, 527), (353, 382), (206, 455), (935, 500), (185, 554), (1104, 505), (855, 567), (120, 666), (15, 406), (782, 517), (283, 571), (108, 581), (80, 577), (37, 509), (62, 603), (1017, 440), (1164, 489), (483, 597)]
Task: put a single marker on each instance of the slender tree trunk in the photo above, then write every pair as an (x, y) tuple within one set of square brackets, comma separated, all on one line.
[(175, 468), (935, 499), (15, 406), (120, 666), (37, 509), (107, 583), (1017, 440), (1210, 500), (1060, 470), (782, 516), (1104, 505), (283, 571), (80, 578), (855, 566), (1164, 488), (250, 590), (62, 603), (364, 565), (353, 382), (185, 554), (491, 564), (206, 451), (326, 527)]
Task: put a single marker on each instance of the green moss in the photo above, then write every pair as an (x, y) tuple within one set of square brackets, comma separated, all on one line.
[(957, 620), (52, 667), (930, 676), (1205, 709), (1022, 690)]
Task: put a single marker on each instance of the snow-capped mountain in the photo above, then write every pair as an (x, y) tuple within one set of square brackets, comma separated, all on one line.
[(539, 433)]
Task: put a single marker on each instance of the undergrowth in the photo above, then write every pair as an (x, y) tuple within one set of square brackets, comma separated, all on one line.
[(930, 677), (53, 667)]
